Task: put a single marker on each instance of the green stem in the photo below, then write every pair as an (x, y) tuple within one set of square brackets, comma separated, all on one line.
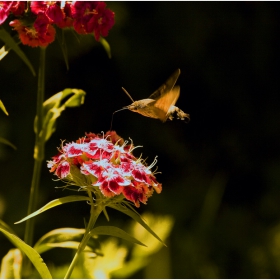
[(95, 211), (39, 149)]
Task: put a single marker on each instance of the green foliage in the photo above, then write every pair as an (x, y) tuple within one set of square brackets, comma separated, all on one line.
[(65, 238), (4, 226), (141, 257), (105, 230), (106, 46), (54, 203), (121, 259), (3, 52), (128, 210), (33, 256), (13, 45), (54, 106), (3, 140), (116, 232), (2, 107), (6, 142), (114, 257), (60, 35), (11, 265)]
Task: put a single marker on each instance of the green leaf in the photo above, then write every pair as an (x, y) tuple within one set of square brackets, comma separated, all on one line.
[(65, 238), (106, 46), (3, 108), (49, 125), (10, 42), (6, 227), (3, 52), (54, 203), (4, 141), (33, 256), (55, 105), (106, 214), (134, 215), (60, 35), (130, 268), (140, 257), (115, 231), (11, 265), (67, 245)]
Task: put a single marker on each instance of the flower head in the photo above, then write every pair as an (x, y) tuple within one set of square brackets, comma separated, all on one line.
[(104, 21), (92, 17), (5, 7), (51, 9), (39, 33), (35, 25), (18, 7), (107, 166), (67, 20)]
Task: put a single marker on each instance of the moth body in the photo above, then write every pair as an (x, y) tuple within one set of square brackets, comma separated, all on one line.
[(146, 108), (161, 103), (139, 105)]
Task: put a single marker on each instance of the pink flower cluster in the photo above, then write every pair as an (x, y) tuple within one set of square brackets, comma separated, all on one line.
[(108, 165), (35, 19)]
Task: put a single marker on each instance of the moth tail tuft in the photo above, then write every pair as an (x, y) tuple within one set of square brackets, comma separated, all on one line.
[(179, 113)]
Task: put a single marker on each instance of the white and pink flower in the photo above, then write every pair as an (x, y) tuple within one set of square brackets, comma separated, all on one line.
[(110, 162)]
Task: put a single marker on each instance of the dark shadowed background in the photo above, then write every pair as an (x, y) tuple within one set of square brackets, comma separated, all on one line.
[(220, 172)]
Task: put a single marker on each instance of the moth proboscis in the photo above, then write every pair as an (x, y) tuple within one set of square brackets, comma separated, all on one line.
[(161, 103)]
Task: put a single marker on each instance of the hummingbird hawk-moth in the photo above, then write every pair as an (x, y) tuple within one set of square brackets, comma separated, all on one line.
[(161, 103)]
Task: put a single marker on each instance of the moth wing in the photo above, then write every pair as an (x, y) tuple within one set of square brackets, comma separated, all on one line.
[(167, 100), (157, 113), (167, 86)]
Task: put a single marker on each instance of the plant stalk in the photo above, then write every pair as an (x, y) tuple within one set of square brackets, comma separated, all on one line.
[(39, 149), (95, 211)]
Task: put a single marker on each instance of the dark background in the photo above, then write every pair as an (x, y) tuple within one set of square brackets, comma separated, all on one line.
[(220, 172)]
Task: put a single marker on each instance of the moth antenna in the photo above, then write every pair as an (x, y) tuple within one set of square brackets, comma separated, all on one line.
[(127, 94), (122, 108), (113, 116)]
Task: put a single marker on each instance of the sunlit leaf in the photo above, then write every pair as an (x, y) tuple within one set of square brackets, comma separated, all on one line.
[(60, 35), (10, 42), (56, 100), (3, 108), (76, 100), (11, 265), (3, 52), (130, 268), (140, 257), (54, 203), (106, 214), (4, 226), (115, 231), (136, 217), (55, 105), (65, 238), (66, 245), (101, 268), (106, 46), (162, 224), (4, 141), (33, 256), (49, 125)]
